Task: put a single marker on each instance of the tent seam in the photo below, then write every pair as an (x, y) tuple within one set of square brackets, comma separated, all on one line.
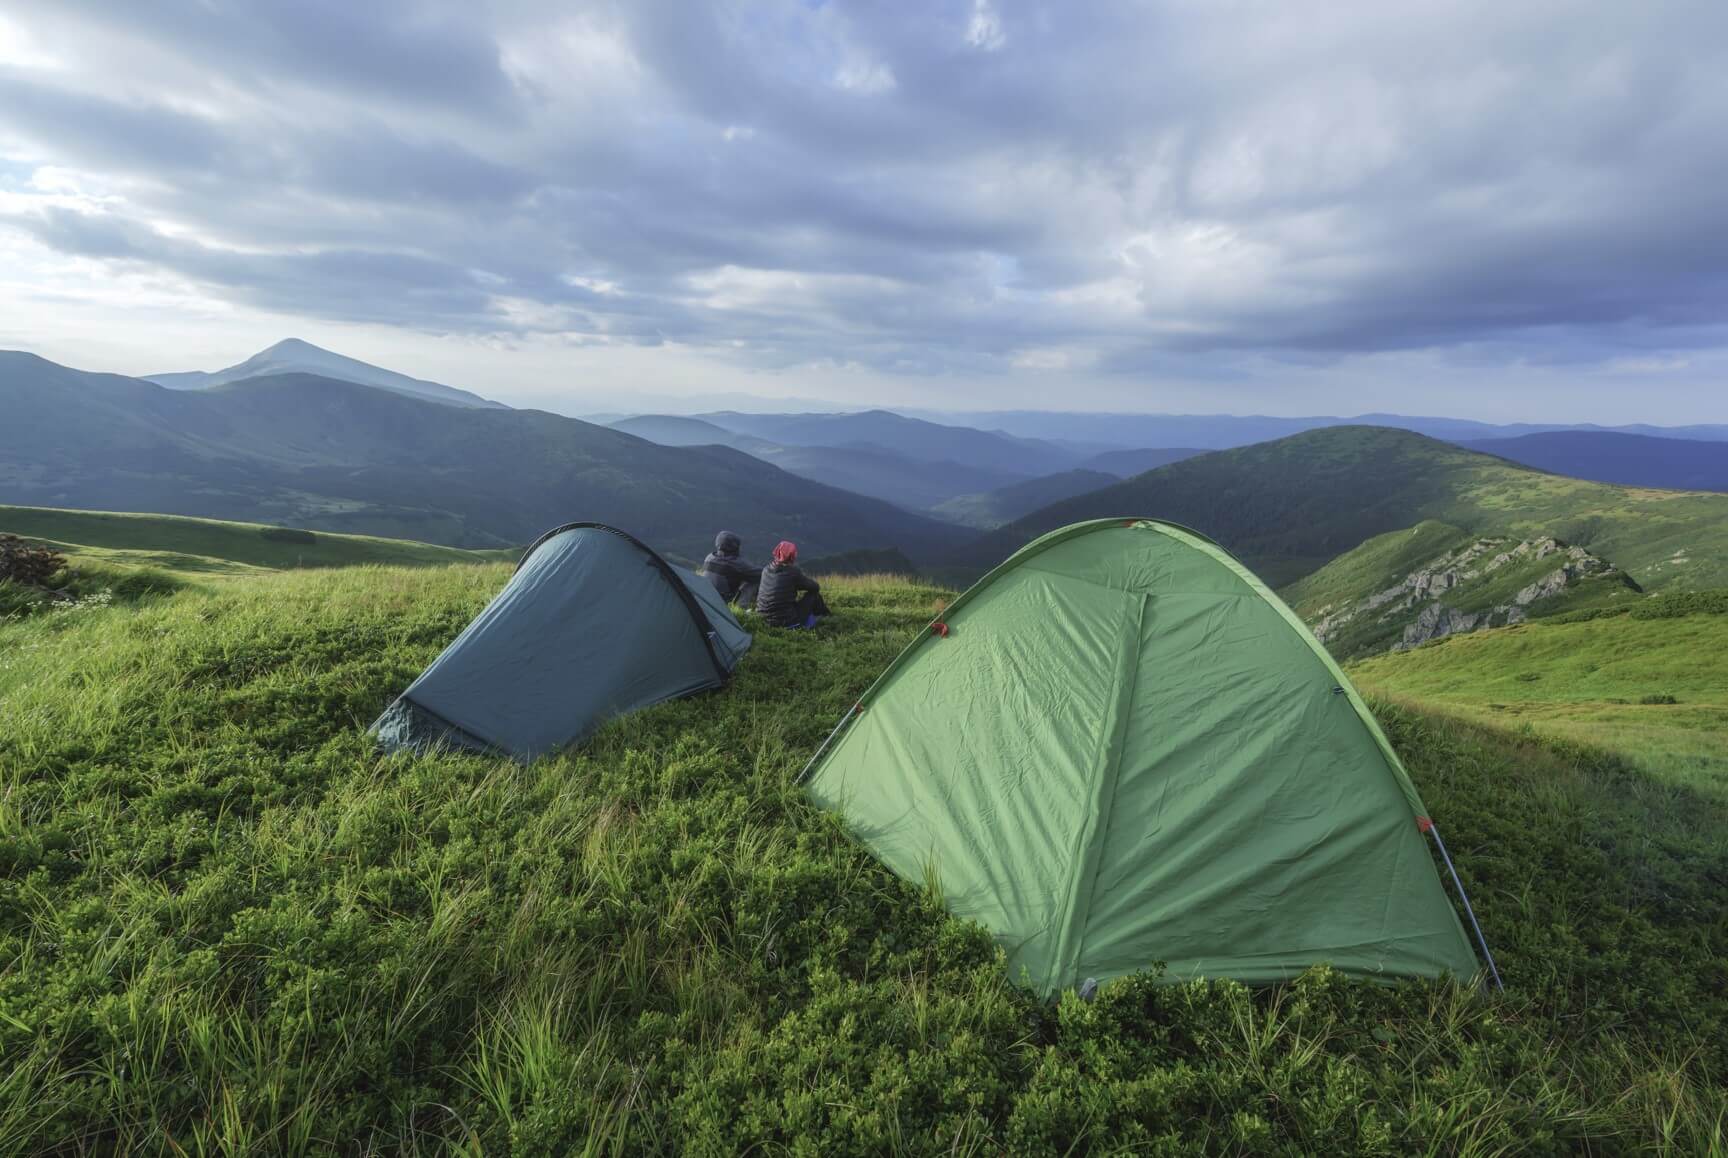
[(1087, 861)]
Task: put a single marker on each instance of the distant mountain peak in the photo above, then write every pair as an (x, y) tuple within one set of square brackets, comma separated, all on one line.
[(300, 348), (296, 355), (295, 346)]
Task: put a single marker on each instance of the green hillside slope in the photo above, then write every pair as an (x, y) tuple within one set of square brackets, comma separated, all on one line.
[(227, 926), (1649, 682), (180, 543), (315, 452), (1406, 587), (1007, 503), (1287, 507)]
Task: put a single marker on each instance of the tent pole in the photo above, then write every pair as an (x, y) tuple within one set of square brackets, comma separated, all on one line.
[(850, 712), (1465, 897)]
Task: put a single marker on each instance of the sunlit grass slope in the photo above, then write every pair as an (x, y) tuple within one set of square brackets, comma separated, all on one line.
[(213, 547), (226, 925), (1650, 683)]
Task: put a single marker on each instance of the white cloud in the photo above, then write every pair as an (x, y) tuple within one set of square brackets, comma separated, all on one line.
[(1050, 358), (865, 76), (1643, 366), (984, 29), (19, 50)]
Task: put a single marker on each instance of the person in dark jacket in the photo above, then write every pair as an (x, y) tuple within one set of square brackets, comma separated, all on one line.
[(732, 577), (787, 597)]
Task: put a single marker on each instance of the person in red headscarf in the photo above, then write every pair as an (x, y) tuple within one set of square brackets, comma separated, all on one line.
[(785, 596)]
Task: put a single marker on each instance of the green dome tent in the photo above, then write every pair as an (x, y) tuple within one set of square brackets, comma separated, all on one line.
[(592, 625), (1120, 748)]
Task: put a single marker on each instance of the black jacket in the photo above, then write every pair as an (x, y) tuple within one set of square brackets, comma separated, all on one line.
[(777, 597), (726, 569)]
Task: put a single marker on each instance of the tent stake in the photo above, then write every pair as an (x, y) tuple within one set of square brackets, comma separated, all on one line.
[(1465, 897), (850, 712)]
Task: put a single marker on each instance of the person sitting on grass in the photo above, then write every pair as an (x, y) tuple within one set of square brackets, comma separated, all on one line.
[(786, 597), (732, 577)]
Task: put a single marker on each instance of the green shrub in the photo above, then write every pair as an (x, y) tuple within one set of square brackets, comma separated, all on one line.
[(84, 587), (1586, 615), (1681, 603)]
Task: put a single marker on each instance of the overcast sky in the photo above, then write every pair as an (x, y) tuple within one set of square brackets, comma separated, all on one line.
[(1498, 209)]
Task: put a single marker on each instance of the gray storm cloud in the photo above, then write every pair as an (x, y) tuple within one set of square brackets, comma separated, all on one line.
[(956, 186)]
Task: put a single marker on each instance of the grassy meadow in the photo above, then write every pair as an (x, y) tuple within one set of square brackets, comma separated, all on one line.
[(228, 926), (1647, 682), (214, 547)]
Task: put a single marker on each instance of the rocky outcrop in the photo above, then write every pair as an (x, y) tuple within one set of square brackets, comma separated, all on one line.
[(31, 564), (1436, 620), (1465, 590)]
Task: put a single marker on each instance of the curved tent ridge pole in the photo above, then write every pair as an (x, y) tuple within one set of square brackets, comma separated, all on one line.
[(1432, 829), (699, 618), (852, 711)]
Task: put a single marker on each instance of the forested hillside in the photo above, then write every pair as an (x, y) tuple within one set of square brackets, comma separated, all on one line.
[(1287, 507)]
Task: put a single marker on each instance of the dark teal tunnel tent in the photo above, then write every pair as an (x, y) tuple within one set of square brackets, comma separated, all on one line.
[(593, 624)]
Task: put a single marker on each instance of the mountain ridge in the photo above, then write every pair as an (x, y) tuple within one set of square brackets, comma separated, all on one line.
[(302, 450), (1128, 463), (294, 355), (916, 484), (912, 437), (1289, 506), (1617, 457), (1227, 431)]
